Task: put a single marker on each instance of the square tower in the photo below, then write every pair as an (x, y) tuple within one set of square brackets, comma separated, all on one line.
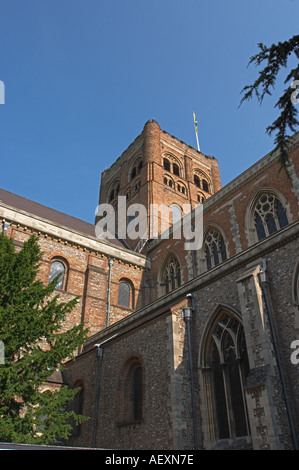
[(156, 169)]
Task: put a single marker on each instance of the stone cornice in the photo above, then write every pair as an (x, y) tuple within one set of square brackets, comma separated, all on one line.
[(65, 234)]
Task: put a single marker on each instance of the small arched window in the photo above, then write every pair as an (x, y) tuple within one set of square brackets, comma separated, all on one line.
[(269, 215), (58, 268), (124, 294)]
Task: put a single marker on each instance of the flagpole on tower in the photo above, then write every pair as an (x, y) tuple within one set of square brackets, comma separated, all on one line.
[(196, 131)]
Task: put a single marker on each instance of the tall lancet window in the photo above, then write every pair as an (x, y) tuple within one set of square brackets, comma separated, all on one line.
[(171, 275)]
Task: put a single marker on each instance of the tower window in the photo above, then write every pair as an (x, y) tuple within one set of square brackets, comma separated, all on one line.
[(133, 173), (197, 181), (166, 164), (176, 170), (205, 186)]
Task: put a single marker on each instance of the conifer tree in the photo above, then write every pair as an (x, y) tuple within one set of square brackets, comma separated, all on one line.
[(276, 58), (35, 346)]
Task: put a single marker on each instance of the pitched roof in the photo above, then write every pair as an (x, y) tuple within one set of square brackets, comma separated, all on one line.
[(52, 215)]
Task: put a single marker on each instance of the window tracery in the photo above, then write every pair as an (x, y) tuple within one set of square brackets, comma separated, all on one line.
[(214, 248), (269, 215), (171, 275), (225, 369)]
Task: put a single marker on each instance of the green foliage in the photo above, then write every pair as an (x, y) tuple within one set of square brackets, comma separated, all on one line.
[(277, 57), (31, 321)]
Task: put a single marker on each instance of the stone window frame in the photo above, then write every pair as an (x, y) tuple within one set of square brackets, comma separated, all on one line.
[(202, 176), (207, 390), (202, 259), (181, 187), (130, 396), (64, 262), (170, 264), (168, 181), (250, 228), (113, 190), (135, 168), (130, 285), (172, 160)]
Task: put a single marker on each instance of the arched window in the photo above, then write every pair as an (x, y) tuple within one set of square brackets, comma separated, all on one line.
[(171, 274), (113, 191), (205, 185), (172, 164), (166, 164), (133, 173), (124, 294), (111, 196), (176, 169), (77, 406), (197, 181), (58, 268), (130, 393), (214, 248), (225, 368), (269, 215)]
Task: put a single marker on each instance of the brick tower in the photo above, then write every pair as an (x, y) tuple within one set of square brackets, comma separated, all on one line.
[(156, 169)]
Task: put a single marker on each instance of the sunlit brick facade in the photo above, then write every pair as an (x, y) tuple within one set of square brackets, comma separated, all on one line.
[(242, 284)]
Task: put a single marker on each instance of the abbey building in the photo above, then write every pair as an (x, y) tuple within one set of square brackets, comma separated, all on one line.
[(190, 346)]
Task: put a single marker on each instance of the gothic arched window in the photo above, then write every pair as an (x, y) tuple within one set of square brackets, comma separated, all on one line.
[(171, 274), (130, 393), (215, 248), (58, 268), (269, 215), (225, 370)]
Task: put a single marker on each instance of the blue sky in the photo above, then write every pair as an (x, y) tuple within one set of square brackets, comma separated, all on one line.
[(83, 76)]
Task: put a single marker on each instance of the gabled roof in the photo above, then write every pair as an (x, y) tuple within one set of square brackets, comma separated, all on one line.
[(52, 215)]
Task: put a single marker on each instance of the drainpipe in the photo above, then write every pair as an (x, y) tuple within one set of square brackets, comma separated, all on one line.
[(264, 283), (99, 353), (187, 317), (110, 264)]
